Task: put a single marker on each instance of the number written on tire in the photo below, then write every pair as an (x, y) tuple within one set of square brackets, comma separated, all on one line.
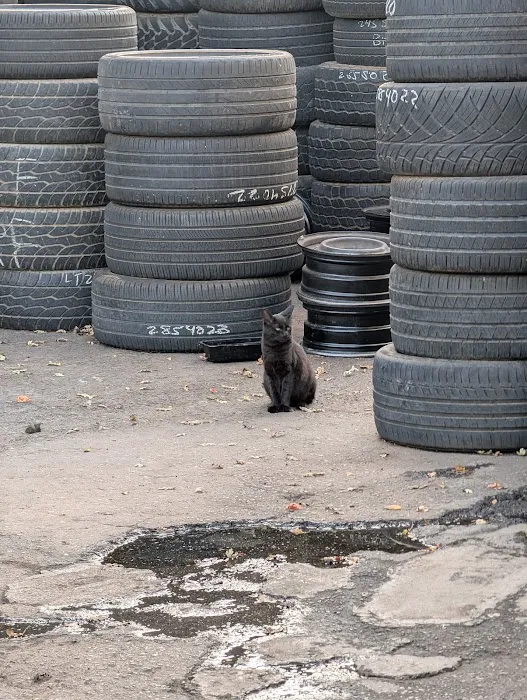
[(270, 194), (394, 95), (190, 330), (363, 75)]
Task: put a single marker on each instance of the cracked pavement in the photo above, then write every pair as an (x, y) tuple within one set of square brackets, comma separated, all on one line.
[(135, 442)]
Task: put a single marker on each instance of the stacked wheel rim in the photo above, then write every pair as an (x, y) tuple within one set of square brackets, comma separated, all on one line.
[(345, 292)]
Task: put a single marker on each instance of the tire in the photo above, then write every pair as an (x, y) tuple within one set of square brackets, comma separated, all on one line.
[(197, 93), (347, 94), (305, 95), (204, 244), (463, 225), (156, 32), (306, 35), (472, 129), (52, 239), (201, 172), (52, 175), (305, 183), (303, 150), (161, 315), (360, 42), (45, 301), (459, 317), (357, 9), (343, 153), (162, 6), (459, 406), (50, 111), (260, 6), (60, 41), (339, 207), (457, 40)]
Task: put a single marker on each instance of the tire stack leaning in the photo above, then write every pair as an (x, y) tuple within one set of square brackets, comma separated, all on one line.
[(52, 159), (300, 27), (342, 142), (201, 169), (453, 130), (161, 24)]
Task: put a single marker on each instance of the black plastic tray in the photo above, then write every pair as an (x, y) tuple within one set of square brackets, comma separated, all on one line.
[(232, 349)]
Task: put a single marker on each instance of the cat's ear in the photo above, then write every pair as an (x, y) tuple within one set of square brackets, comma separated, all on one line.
[(267, 316), (288, 313)]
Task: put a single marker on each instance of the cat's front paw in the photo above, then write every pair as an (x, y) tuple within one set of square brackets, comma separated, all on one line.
[(273, 409), (284, 409)]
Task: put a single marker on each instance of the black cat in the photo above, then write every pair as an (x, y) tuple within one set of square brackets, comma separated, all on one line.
[(289, 379)]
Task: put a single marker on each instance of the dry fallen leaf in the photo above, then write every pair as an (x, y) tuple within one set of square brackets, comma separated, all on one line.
[(294, 506), (247, 373), (87, 396), (310, 474), (496, 486), (460, 469), (2, 358), (32, 344), (422, 509), (164, 408), (23, 399), (194, 422), (54, 364), (213, 390), (350, 371), (393, 507), (296, 531), (319, 371), (11, 634), (522, 452)]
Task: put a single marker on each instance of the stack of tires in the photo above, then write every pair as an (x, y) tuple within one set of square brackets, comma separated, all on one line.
[(201, 169), (453, 129), (300, 27), (52, 191), (161, 24), (342, 142)]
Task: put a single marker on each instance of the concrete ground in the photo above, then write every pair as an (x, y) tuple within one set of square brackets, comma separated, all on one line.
[(131, 442)]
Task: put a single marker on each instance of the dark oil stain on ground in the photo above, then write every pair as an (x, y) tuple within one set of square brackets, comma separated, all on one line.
[(507, 507), (178, 551), (202, 552)]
